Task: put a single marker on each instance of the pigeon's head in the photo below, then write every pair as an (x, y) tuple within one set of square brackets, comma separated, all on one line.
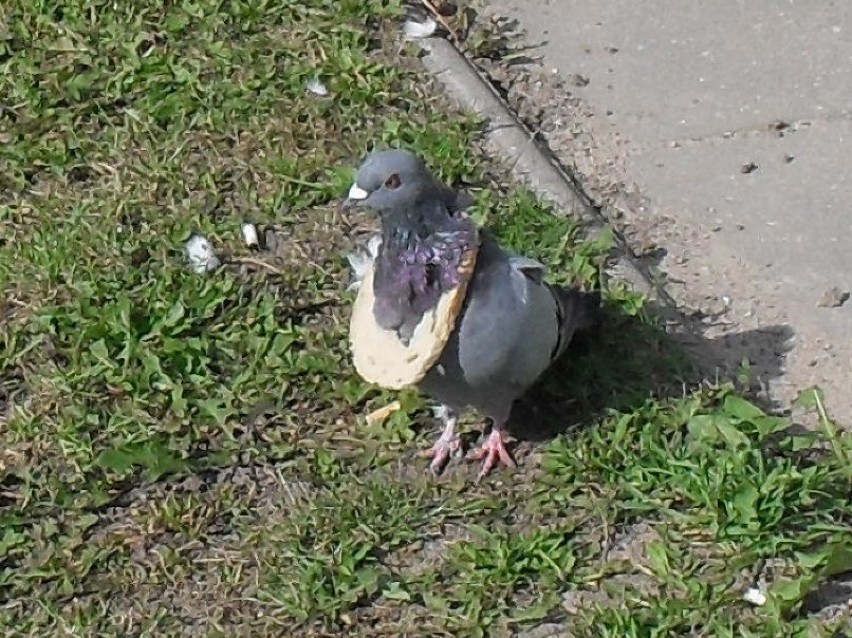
[(389, 180)]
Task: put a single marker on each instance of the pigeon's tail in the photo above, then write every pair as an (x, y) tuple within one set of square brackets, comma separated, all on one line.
[(577, 310), (582, 308)]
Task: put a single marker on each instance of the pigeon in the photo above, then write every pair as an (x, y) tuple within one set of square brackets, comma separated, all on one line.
[(507, 328)]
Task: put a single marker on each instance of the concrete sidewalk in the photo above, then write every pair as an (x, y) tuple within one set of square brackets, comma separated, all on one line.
[(732, 120)]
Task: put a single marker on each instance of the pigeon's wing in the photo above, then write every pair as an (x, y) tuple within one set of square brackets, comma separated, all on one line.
[(533, 269), (510, 328)]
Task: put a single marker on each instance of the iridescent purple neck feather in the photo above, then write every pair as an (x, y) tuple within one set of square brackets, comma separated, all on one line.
[(419, 260)]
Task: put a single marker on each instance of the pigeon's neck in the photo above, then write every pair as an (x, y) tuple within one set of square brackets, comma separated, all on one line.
[(417, 263)]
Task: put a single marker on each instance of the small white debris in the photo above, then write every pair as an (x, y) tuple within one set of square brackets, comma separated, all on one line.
[(250, 235), (379, 416), (754, 596), (417, 30), (316, 87), (200, 254)]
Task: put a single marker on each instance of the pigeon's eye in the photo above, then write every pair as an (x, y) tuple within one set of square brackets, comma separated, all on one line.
[(392, 182)]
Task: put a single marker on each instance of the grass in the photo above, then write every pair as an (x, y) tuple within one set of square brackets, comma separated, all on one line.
[(185, 454)]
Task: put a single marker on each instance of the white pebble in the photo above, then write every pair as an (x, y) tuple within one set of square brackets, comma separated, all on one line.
[(754, 596), (200, 254), (416, 30), (250, 235)]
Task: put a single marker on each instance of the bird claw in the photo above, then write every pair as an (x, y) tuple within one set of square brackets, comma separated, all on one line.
[(494, 451), (441, 451)]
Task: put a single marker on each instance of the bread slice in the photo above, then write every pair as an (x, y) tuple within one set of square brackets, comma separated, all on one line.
[(379, 355)]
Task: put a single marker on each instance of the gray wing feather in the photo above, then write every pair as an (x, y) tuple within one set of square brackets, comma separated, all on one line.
[(510, 326), (533, 269)]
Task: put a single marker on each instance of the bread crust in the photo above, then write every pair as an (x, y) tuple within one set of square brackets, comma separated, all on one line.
[(379, 355)]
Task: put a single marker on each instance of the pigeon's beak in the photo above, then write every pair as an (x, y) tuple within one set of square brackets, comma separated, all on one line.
[(356, 196)]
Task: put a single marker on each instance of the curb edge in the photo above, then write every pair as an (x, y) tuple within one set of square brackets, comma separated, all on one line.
[(529, 162)]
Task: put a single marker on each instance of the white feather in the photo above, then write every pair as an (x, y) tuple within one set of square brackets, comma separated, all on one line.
[(363, 259), (316, 87), (359, 262), (373, 245), (418, 30), (200, 253)]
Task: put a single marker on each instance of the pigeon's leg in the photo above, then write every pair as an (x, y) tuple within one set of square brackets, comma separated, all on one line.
[(448, 443), (493, 451)]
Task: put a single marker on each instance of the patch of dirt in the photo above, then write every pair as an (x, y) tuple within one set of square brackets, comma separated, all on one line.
[(547, 630), (627, 550), (428, 552), (832, 601), (196, 565)]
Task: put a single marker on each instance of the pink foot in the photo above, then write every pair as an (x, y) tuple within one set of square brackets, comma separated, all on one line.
[(446, 445), (441, 453), (494, 452)]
